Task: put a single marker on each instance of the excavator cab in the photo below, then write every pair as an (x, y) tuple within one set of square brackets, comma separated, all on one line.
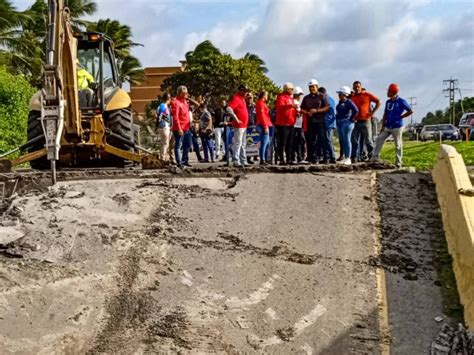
[(97, 71)]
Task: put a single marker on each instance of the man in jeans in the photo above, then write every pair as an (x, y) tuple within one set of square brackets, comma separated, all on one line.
[(181, 126), (314, 106), (237, 110), (396, 109), (330, 126), (362, 134)]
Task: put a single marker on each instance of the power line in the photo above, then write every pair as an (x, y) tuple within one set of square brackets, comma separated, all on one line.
[(435, 100), (462, 105), (412, 105), (451, 90)]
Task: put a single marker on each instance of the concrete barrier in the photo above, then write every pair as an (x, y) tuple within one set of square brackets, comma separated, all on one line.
[(454, 190)]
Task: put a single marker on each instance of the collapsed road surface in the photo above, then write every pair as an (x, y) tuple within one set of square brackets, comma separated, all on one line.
[(276, 263)]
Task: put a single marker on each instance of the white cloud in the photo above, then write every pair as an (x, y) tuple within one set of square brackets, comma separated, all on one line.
[(228, 37), (377, 42), (336, 41)]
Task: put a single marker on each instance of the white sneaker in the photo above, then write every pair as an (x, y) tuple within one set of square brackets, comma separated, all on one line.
[(347, 161)]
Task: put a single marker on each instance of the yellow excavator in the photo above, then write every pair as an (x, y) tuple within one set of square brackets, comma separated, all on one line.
[(85, 121)]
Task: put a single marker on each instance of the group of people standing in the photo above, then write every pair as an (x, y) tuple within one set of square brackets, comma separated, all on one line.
[(298, 130)]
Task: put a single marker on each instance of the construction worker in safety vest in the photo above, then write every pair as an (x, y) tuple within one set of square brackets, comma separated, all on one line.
[(84, 78)]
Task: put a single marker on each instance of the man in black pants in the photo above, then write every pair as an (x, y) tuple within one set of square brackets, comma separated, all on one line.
[(298, 131), (314, 106), (285, 108)]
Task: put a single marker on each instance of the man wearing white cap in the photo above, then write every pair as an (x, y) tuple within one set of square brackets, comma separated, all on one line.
[(315, 105)]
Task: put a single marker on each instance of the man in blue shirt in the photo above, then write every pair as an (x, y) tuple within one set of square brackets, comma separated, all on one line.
[(330, 126), (396, 109)]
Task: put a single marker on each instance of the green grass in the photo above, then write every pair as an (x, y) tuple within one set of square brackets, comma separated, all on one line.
[(422, 155)]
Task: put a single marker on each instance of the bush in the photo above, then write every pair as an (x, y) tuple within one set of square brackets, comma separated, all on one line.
[(15, 94)]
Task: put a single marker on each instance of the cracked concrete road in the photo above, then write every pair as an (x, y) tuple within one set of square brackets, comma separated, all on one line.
[(275, 263)]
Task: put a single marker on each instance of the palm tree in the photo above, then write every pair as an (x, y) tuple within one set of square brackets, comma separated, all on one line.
[(130, 69), (120, 34), (256, 59), (202, 50), (9, 23), (23, 34), (17, 50)]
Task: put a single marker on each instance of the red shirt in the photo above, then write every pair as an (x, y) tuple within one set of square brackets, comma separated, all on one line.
[(263, 114), (362, 101), (285, 112), (239, 106), (180, 113)]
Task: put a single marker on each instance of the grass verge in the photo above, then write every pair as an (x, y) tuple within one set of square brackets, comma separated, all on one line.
[(422, 155)]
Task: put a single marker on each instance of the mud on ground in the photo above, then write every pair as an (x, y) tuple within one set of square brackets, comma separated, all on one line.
[(419, 278)]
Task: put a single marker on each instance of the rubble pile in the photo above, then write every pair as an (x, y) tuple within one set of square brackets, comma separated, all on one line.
[(450, 341)]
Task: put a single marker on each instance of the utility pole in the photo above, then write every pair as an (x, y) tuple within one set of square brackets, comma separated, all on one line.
[(412, 105), (450, 93)]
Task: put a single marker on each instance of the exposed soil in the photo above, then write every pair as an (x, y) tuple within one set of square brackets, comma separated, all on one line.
[(419, 276)]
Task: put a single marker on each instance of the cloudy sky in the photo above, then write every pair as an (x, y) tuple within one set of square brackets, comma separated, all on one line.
[(415, 43)]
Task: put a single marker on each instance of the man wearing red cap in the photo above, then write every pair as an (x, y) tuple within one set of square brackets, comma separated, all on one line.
[(396, 109)]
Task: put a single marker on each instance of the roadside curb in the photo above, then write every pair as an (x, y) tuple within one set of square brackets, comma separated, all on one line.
[(457, 207)]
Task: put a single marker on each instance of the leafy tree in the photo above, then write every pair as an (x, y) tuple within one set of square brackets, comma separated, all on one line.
[(15, 93), (443, 116), (217, 75)]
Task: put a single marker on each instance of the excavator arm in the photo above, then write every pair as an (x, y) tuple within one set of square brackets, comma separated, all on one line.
[(59, 94)]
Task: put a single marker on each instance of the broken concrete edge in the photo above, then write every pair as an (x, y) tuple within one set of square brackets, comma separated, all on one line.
[(450, 176), (29, 179)]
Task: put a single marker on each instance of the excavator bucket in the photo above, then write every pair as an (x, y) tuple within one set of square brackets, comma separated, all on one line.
[(152, 161)]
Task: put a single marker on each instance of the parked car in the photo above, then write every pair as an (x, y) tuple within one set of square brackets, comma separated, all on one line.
[(429, 132), (467, 123), (449, 131), (440, 131)]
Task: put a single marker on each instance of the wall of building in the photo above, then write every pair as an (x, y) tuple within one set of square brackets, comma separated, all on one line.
[(150, 89)]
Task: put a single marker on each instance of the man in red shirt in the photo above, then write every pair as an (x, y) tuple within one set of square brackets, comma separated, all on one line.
[(362, 134), (237, 110), (181, 126), (285, 108)]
